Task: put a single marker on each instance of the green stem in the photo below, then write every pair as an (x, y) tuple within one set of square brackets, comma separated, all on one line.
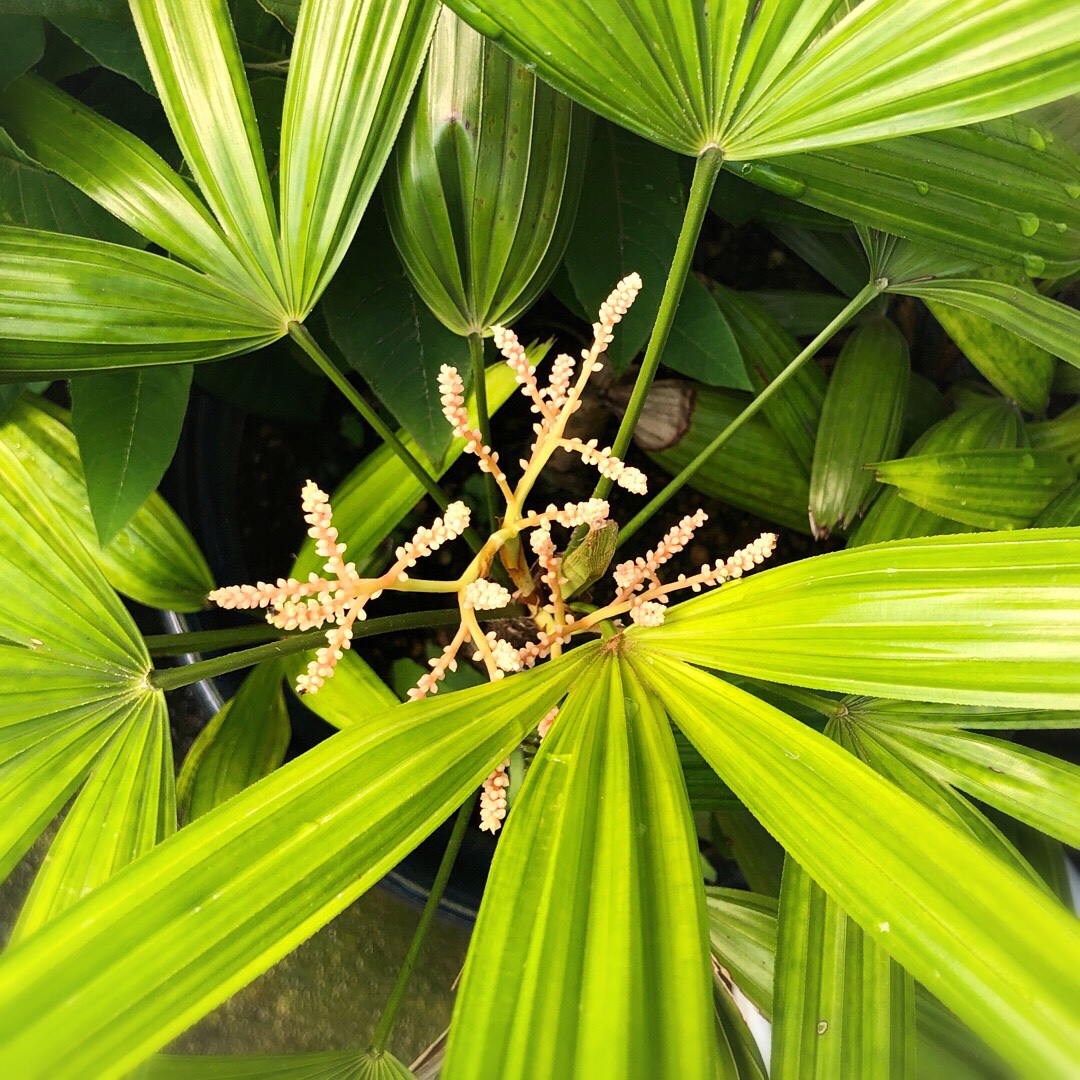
[(385, 1028), (300, 334), (186, 674), (479, 378), (706, 170), (211, 640), (854, 306)]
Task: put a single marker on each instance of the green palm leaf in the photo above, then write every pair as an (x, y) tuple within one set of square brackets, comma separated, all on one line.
[(861, 421), (1062, 433), (484, 181), (1018, 368), (127, 424), (1041, 790), (1064, 510), (993, 425), (68, 304), (990, 489), (976, 191), (934, 716), (893, 68), (1036, 318), (843, 1006), (595, 904), (758, 82), (126, 806), (77, 706), (945, 1047), (1001, 952), (191, 48), (863, 740), (742, 936), (985, 619), (104, 985), (122, 174), (352, 71), (153, 559)]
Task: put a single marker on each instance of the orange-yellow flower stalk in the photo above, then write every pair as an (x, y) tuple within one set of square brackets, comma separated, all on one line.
[(340, 596)]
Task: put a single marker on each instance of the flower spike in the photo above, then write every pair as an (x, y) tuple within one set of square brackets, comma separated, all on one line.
[(342, 597), (486, 595), (452, 396), (493, 799), (506, 341), (338, 597), (626, 476)]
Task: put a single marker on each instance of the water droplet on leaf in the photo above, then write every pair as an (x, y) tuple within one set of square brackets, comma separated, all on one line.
[(790, 187), (1029, 223), (1034, 264)]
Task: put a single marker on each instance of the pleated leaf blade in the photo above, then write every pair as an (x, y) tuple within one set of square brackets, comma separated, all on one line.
[(1000, 952), (994, 425), (153, 559), (1018, 368), (138, 960), (990, 489), (843, 1006), (121, 173), (595, 903), (126, 806), (484, 181), (1036, 788), (995, 192), (861, 421), (69, 304), (353, 68), (763, 82), (984, 619), (892, 68), (76, 706), (1044, 322), (191, 48)]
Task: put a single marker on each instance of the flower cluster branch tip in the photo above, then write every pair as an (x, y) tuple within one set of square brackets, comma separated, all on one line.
[(493, 798), (338, 597), (341, 597)]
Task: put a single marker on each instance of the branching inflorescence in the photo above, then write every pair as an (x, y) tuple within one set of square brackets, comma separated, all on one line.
[(340, 597)]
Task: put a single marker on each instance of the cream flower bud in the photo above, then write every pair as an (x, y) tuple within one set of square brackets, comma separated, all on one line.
[(648, 613), (486, 595), (493, 799), (626, 476), (545, 725)]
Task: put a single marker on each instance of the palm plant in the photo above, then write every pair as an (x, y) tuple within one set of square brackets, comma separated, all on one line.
[(847, 701)]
